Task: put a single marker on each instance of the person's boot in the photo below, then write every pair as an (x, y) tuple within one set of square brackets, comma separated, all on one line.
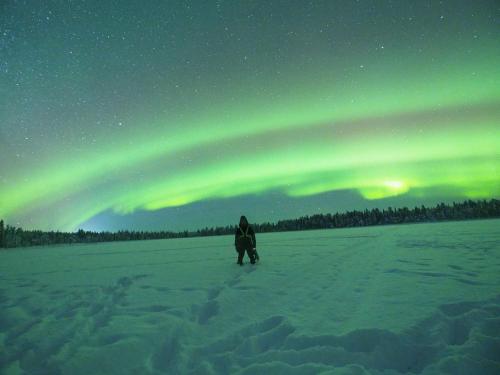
[(239, 261)]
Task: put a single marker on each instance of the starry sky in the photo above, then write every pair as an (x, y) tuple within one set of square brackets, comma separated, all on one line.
[(185, 114)]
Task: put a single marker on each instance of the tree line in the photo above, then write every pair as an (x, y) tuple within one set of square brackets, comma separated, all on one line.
[(11, 236)]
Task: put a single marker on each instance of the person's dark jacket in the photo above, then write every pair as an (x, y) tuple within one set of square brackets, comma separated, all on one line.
[(244, 237)]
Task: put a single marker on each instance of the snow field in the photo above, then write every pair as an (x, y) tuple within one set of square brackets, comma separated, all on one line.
[(416, 299)]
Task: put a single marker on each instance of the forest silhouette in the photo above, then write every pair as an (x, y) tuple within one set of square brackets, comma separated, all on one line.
[(11, 236)]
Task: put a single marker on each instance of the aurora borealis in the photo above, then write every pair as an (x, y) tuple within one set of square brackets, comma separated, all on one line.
[(115, 111)]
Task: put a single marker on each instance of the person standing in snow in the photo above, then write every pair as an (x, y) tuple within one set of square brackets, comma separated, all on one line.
[(244, 239)]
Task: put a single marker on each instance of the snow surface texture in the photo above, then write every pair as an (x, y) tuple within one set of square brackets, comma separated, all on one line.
[(381, 300)]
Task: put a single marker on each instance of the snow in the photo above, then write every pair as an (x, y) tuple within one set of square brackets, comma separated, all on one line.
[(421, 298)]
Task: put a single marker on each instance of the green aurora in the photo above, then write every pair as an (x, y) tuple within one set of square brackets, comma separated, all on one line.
[(383, 122)]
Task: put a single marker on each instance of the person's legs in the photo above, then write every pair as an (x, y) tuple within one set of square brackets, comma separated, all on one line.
[(241, 254)]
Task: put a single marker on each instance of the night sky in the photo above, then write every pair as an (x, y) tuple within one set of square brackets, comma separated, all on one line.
[(184, 114)]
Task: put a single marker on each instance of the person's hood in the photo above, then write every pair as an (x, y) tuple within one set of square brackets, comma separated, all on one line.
[(243, 222)]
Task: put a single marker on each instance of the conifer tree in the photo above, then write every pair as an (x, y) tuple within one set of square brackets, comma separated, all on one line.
[(2, 235)]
